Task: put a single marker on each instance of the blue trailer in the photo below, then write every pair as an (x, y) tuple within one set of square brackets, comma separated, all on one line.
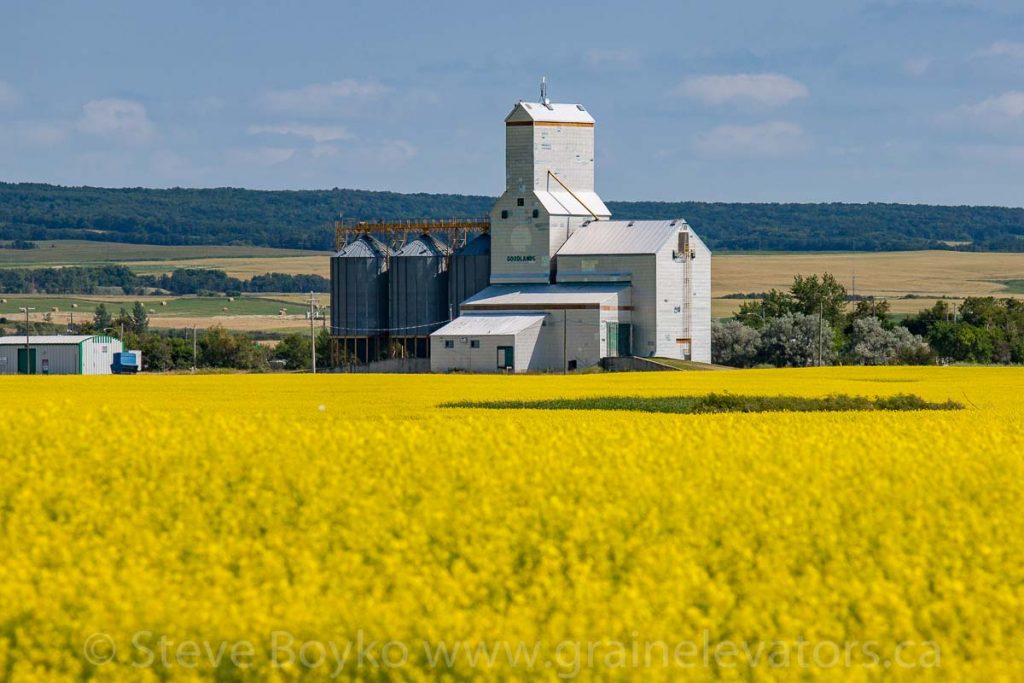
[(127, 363)]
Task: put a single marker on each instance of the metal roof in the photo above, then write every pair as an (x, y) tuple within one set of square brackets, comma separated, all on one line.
[(482, 324), (622, 237), (424, 245), (364, 246), (478, 246), (593, 294), (47, 339), (564, 204), (550, 113)]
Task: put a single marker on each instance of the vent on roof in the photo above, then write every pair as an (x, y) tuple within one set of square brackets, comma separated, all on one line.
[(580, 107), (629, 224), (672, 223)]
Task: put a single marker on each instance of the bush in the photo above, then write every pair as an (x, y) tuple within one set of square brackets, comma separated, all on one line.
[(871, 344), (735, 344), (794, 340)]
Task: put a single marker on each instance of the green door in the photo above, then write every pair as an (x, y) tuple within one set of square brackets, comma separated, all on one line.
[(619, 339), (625, 339), (26, 361), (506, 357)]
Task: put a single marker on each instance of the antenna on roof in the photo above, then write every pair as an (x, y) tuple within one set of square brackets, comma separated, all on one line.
[(544, 91)]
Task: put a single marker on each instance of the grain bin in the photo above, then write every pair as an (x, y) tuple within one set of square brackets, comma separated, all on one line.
[(470, 271), (418, 295), (359, 299)]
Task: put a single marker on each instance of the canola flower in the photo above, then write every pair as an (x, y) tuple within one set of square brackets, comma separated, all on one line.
[(152, 527)]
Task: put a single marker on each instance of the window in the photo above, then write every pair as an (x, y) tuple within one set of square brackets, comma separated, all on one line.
[(474, 343), (504, 213), (536, 213), (520, 201), (449, 343)]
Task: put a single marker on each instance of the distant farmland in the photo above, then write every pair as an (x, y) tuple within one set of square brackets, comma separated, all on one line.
[(924, 275)]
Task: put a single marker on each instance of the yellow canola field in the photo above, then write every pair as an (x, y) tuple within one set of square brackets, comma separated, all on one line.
[(292, 527)]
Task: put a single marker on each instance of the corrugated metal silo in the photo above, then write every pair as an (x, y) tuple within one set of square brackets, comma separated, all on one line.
[(470, 271), (359, 298), (418, 295)]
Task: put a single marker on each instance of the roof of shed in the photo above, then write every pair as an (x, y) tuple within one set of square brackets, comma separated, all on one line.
[(550, 113), (622, 237), (45, 339), (564, 204), (544, 295), (482, 324)]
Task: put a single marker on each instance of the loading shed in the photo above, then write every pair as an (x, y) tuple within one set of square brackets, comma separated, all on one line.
[(58, 354)]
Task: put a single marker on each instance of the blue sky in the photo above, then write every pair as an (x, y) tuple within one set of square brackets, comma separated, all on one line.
[(888, 100)]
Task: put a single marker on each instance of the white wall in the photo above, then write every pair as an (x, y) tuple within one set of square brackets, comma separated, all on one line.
[(98, 354), (464, 357), (700, 325), (567, 151), (520, 244), (640, 271), (485, 358), (671, 297)]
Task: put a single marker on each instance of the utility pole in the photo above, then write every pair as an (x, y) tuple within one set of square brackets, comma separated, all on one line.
[(821, 310), (27, 352), (312, 328), (195, 350)]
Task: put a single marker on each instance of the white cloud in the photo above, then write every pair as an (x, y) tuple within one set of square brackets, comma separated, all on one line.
[(396, 152), (620, 58), (774, 139), (261, 156), (770, 90), (114, 119), (318, 98), (318, 134), (1009, 105), (9, 97), (917, 67), (1003, 48)]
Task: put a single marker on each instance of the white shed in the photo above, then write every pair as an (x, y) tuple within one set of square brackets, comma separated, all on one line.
[(546, 327), (57, 354)]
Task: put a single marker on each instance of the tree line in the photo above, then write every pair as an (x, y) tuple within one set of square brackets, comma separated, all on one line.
[(92, 279), (813, 324), (302, 219)]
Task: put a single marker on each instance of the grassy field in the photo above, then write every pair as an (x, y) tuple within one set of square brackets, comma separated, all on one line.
[(85, 252), (286, 514), (254, 313), (928, 275)]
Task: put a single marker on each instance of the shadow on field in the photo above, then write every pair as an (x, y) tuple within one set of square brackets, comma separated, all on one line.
[(719, 403)]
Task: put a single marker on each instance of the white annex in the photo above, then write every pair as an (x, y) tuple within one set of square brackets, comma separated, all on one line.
[(570, 286)]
